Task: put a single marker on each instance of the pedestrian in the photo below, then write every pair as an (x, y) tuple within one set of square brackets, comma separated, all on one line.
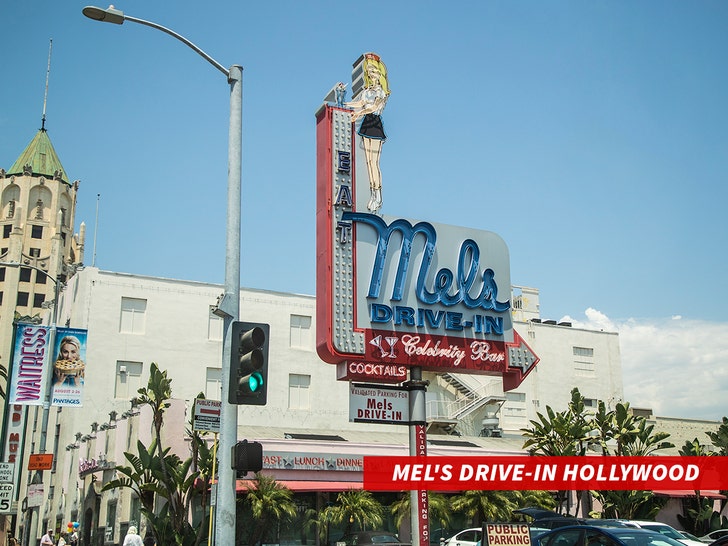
[(47, 539), (132, 538), (62, 540)]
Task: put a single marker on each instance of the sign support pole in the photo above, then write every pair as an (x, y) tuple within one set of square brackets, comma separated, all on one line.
[(212, 506), (419, 515)]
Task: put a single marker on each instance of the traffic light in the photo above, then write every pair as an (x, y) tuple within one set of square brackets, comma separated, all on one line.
[(247, 457), (249, 364)]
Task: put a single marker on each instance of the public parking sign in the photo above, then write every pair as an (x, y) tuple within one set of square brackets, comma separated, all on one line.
[(207, 415)]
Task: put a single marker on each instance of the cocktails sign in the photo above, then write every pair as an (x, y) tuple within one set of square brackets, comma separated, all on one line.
[(394, 293)]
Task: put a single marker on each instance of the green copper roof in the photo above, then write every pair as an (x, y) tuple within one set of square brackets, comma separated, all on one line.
[(41, 156)]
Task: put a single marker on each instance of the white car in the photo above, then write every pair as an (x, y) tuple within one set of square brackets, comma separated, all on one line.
[(714, 535), (666, 530), (468, 537)]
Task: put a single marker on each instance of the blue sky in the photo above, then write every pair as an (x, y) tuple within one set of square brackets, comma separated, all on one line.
[(591, 136)]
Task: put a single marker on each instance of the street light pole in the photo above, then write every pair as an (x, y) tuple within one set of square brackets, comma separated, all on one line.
[(229, 305)]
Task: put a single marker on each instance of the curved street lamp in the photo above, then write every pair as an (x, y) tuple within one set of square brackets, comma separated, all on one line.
[(228, 305)]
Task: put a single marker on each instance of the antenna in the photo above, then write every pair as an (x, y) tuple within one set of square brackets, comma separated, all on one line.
[(45, 95), (96, 229)]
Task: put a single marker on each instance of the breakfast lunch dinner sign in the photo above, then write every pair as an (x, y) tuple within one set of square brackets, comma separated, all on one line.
[(394, 293)]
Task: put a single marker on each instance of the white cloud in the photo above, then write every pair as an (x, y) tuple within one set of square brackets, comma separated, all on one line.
[(677, 367)]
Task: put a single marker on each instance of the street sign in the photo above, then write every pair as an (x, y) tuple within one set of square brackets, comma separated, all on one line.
[(378, 404), (40, 461), (6, 497), (498, 534), (207, 415), (7, 471)]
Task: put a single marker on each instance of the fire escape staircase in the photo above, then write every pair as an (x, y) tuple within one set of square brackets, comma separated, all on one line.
[(471, 395)]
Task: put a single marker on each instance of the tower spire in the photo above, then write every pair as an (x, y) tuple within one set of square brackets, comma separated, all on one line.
[(45, 95)]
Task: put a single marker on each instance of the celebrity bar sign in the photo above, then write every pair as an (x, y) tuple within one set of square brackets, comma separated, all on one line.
[(394, 293)]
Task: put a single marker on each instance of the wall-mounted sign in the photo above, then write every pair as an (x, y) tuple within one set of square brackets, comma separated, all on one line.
[(393, 293), (40, 461), (312, 461)]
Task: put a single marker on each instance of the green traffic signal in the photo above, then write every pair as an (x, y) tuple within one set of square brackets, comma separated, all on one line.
[(249, 364)]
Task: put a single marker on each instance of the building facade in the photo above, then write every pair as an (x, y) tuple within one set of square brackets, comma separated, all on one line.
[(309, 442)]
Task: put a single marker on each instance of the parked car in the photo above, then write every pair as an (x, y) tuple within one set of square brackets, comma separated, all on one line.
[(692, 537), (361, 538), (546, 519), (714, 535), (592, 535), (722, 541), (664, 529), (466, 537)]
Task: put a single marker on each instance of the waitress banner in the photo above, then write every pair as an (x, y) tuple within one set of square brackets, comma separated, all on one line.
[(31, 357), (36, 363)]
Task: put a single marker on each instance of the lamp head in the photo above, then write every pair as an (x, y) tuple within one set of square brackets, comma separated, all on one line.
[(109, 15)]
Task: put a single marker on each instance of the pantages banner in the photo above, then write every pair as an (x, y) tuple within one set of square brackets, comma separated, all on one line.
[(69, 367), (391, 292), (35, 363)]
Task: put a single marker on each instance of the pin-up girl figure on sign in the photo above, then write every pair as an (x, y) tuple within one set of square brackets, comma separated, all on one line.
[(368, 107)]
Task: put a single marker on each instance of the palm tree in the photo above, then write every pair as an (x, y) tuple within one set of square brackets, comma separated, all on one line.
[(720, 438), (483, 506), (438, 507), (155, 472), (354, 507), (270, 503)]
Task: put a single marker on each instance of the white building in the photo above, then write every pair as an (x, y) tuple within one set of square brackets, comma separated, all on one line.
[(309, 442)]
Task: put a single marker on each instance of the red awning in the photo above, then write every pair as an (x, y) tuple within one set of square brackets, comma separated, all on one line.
[(690, 493), (300, 485)]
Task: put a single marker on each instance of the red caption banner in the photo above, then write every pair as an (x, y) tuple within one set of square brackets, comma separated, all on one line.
[(525, 473)]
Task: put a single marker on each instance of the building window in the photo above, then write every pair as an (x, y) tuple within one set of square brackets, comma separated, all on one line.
[(2, 273), (110, 520), (301, 332), (591, 403), (585, 369), (40, 277), (213, 383), (36, 232), (519, 397), (584, 351), (34, 252), (1, 298), (518, 413), (135, 510), (23, 299), (214, 326), (24, 274), (298, 391), (128, 379), (7, 228), (133, 316), (38, 300)]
